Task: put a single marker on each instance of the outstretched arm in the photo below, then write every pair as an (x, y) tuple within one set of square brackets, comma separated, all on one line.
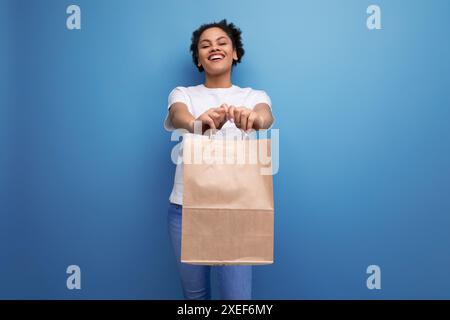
[(181, 118)]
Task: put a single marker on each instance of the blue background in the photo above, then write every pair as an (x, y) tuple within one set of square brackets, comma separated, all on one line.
[(364, 144)]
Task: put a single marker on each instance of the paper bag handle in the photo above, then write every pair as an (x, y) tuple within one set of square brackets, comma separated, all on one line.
[(245, 135)]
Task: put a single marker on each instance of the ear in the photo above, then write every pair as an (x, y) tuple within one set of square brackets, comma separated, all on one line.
[(235, 57)]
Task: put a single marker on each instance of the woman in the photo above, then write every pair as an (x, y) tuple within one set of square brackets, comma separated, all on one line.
[(218, 104)]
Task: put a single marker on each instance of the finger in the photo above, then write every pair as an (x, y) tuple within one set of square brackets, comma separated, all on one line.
[(237, 117), (224, 107), (222, 111), (251, 120), (214, 114), (218, 123), (210, 122), (221, 116), (244, 118), (217, 110), (230, 115)]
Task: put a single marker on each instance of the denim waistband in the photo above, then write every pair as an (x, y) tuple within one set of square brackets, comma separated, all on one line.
[(175, 205)]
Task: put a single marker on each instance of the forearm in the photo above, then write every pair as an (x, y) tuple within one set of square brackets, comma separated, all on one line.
[(181, 118), (265, 114)]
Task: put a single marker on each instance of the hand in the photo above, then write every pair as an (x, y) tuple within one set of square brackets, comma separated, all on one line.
[(214, 118), (244, 118)]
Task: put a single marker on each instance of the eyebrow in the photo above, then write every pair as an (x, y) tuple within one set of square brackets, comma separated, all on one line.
[(216, 39)]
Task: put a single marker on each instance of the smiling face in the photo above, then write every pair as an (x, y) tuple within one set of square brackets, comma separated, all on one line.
[(215, 51)]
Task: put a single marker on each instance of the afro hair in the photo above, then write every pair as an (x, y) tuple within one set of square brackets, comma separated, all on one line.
[(229, 28)]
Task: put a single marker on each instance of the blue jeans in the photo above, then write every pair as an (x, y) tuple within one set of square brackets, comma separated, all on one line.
[(235, 282)]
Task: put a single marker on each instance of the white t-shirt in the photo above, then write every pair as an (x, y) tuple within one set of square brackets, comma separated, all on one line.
[(199, 99)]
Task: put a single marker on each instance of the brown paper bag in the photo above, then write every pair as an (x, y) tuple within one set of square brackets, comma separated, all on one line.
[(228, 210)]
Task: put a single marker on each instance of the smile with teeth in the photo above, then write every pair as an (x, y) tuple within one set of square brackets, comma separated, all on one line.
[(215, 57)]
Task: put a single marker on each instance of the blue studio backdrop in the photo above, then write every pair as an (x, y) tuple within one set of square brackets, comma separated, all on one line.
[(85, 169)]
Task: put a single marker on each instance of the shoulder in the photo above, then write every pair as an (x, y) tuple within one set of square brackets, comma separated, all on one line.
[(251, 91), (178, 89), (259, 92), (178, 94), (185, 90), (257, 96)]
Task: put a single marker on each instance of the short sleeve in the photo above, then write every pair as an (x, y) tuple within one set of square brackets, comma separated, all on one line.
[(176, 95), (260, 96)]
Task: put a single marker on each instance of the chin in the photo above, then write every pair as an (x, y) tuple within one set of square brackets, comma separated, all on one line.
[(217, 71)]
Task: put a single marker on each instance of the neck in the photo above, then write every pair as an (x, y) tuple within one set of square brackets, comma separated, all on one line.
[(218, 81)]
